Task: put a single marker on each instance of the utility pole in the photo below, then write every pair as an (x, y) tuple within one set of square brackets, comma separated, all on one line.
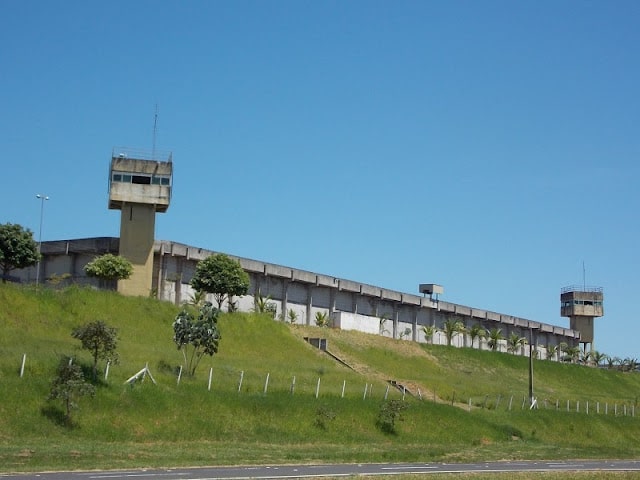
[(42, 198)]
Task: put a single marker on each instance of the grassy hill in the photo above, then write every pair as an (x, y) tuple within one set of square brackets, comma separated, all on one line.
[(171, 424)]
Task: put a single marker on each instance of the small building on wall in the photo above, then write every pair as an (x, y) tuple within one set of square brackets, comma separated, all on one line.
[(350, 305)]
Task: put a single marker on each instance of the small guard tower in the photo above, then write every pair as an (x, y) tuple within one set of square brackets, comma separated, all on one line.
[(139, 186), (582, 304)]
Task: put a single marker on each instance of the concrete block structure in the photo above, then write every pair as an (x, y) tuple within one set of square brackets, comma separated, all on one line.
[(139, 186)]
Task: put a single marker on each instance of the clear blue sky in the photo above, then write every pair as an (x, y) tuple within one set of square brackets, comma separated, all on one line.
[(488, 146)]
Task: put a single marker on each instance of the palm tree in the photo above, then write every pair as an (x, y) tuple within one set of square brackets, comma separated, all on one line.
[(477, 332), (585, 357), (261, 303), (292, 315), (382, 322), (323, 319), (571, 354), (552, 350), (429, 331), (495, 335), (196, 299), (451, 328), (629, 364), (615, 362), (514, 341), (599, 357)]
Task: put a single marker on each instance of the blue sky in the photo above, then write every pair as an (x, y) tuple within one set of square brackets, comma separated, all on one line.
[(491, 147)]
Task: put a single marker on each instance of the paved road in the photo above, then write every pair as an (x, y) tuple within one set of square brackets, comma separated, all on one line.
[(302, 471)]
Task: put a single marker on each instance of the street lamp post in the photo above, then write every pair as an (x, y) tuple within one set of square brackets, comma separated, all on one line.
[(532, 400), (42, 198)]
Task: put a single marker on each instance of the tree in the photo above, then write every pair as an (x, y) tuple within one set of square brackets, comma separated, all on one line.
[(585, 357), (292, 316), (552, 350), (197, 337), (323, 319), (68, 385), (382, 321), (101, 341), (18, 249), (629, 364), (599, 357), (109, 267), (196, 299), (222, 276), (451, 328), (571, 354), (429, 331), (390, 413), (495, 335), (476, 332), (514, 342)]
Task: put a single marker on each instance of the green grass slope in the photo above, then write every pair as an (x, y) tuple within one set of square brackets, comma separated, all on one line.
[(327, 416)]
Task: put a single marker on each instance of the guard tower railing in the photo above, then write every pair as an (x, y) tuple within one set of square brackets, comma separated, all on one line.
[(581, 288), (141, 154)]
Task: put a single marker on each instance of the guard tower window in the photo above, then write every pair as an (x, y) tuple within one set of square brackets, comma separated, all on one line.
[(160, 180), (141, 180)]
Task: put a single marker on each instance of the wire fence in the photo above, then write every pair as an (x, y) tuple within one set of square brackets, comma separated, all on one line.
[(227, 379)]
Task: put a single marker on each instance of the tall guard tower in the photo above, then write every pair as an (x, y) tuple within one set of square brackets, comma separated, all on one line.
[(582, 304), (139, 186)]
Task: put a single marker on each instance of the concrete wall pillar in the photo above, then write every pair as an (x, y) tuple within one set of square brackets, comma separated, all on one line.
[(309, 303), (178, 288), (332, 300), (395, 322), (285, 298)]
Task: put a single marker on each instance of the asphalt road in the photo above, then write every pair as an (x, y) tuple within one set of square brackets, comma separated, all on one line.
[(306, 471)]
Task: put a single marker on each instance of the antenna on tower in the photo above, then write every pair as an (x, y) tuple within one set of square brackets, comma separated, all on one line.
[(584, 277), (155, 133)]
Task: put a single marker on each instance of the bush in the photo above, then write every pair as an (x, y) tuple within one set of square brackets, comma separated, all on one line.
[(390, 412)]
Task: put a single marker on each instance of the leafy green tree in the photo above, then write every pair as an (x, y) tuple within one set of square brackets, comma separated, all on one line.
[(109, 267), (451, 328), (429, 331), (101, 340), (478, 332), (18, 249), (68, 385), (552, 350), (494, 335), (222, 276), (514, 342), (196, 337)]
